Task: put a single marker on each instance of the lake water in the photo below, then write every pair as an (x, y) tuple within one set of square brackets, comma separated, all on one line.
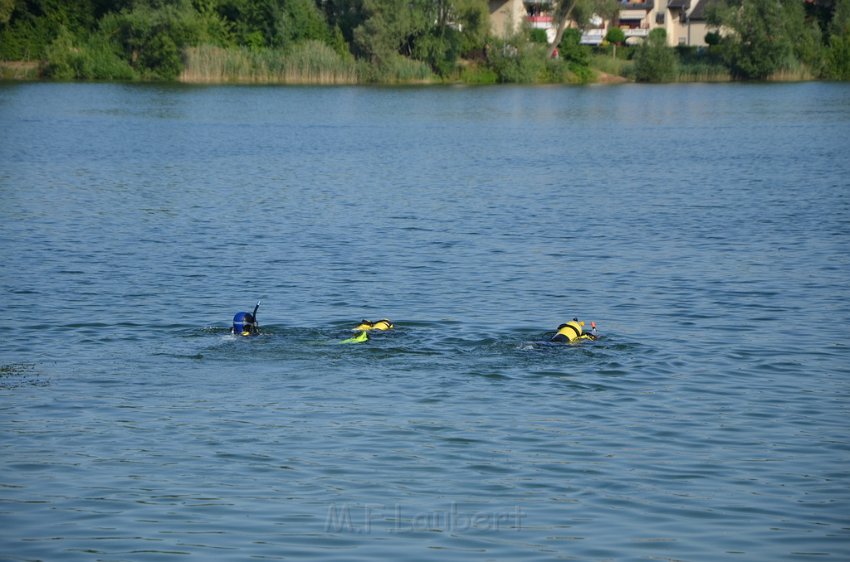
[(705, 228)]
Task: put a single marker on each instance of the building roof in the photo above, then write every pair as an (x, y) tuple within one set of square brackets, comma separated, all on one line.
[(698, 13)]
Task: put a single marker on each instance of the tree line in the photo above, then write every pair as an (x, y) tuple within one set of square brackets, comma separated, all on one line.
[(405, 40)]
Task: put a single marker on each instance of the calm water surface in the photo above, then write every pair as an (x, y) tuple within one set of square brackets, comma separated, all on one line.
[(706, 229)]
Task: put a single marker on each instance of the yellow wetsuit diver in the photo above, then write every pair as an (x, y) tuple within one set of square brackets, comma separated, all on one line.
[(573, 331), (364, 327)]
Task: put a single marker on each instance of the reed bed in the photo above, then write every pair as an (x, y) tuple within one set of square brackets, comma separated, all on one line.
[(312, 62), (19, 70), (798, 73), (703, 73)]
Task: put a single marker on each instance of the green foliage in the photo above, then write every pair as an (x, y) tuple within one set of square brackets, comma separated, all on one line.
[(804, 34), (759, 43), (345, 15), (838, 57), (517, 62), (571, 51), (405, 40), (581, 11), (389, 29), (654, 60), (302, 21), (837, 63), (215, 29), (538, 36), (153, 40), (478, 75), (473, 19), (6, 9), (426, 30), (396, 69), (253, 23), (613, 66), (93, 59), (26, 37), (700, 65), (439, 49), (615, 35)]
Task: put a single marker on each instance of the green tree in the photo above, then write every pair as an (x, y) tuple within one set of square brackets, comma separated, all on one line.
[(837, 64), (94, 58), (153, 39), (580, 11), (654, 60), (6, 9), (804, 33), (433, 31), (345, 15), (571, 50), (303, 21), (473, 19), (575, 55), (389, 28), (615, 36), (28, 27), (759, 43)]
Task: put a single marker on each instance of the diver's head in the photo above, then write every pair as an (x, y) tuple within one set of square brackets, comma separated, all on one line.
[(363, 326), (243, 324)]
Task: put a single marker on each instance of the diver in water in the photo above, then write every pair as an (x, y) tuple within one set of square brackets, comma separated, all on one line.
[(245, 323), (381, 325), (364, 327), (573, 331)]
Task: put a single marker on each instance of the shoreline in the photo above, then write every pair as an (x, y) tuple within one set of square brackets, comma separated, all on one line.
[(32, 71)]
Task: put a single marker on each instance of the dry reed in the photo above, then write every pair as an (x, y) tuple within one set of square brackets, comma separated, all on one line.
[(308, 63)]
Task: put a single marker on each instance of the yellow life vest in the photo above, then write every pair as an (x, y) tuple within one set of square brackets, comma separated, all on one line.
[(572, 330)]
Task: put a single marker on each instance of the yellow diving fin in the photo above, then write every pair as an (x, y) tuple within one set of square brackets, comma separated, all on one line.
[(359, 338)]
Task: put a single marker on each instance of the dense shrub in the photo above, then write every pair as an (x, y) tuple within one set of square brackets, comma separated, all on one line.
[(523, 63), (571, 50), (538, 36), (153, 40), (440, 49), (93, 59), (654, 60), (837, 63)]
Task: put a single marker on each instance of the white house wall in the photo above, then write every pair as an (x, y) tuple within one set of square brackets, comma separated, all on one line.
[(506, 17)]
